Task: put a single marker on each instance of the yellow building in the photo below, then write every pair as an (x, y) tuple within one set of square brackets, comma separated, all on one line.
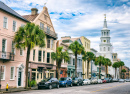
[(86, 45), (41, 65)]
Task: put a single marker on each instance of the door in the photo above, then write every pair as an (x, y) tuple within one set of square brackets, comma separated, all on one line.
[(19, 78), (33, 76)]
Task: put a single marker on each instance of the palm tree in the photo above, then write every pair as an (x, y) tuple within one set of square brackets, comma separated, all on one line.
[(88, 56), (123, 70), (76, 48), (28, 37), (121, 64), (107, 63), (99, 61), (59, 56), (116, 65)]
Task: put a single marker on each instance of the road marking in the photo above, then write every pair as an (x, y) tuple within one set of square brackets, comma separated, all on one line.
[(106, 88)]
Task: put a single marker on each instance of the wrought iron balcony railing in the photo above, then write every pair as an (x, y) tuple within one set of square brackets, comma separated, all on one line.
[(6, 56), (50, 33)]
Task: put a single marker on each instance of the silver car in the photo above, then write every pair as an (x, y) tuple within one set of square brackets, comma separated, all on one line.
[(121, 80)]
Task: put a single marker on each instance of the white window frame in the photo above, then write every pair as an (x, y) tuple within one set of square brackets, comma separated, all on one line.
[(4, 72), (6, 24), (5, 44), (15, 26), (13, 73), (22, 52)]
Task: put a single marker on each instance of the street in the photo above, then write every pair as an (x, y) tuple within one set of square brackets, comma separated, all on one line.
[(107, 88)]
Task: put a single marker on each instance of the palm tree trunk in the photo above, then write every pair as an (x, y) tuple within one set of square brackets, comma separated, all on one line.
[(76, 65), (106, 71), (58, 73), (99, 71), (87, 69), (121, 72), (27, 61), (115, 72)]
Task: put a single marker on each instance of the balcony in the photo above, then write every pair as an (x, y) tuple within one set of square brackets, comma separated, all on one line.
[(6, 56), (50, 33)]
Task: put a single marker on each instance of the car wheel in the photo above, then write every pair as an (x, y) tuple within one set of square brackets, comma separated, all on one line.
[(39, 88), (77, 84), (65, 85), (50, 86), (71, 85), (57, 85)]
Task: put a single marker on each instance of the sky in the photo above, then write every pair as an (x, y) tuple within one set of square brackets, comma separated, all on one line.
[(77, 18)]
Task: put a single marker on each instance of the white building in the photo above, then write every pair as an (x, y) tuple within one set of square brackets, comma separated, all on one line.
[(106, 46)]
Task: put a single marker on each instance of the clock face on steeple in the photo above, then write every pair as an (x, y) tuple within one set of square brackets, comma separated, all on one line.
[(104, 41)]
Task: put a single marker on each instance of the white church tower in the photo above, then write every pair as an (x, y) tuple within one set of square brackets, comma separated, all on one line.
[(106, 46)]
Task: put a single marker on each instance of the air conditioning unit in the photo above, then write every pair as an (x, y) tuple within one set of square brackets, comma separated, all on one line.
[(3, 55)]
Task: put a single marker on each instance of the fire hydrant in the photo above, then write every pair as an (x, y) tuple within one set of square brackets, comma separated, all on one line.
[(7, 86)]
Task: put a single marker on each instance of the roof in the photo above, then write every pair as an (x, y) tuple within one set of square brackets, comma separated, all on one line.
[(30, 17), (7, 9)]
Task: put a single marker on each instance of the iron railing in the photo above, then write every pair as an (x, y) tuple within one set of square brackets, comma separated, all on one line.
[(49, 32), (6, 56)]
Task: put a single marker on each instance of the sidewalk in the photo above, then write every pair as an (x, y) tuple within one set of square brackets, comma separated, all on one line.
[(16, 90)]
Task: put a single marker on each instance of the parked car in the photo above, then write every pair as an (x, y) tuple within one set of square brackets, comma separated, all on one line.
[(77, 81), (127, 80), (115, 80), (107, 80), (110, 80), (48, 83), (94, 81), (99, 81), (104, 81), (121, 80), (86, 82), (65, 81)]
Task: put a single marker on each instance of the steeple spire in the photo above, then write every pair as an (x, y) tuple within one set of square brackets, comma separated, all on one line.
[(105, 22)]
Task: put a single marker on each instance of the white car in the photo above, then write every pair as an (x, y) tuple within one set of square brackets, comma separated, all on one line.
[(86, 82), (99, 81)]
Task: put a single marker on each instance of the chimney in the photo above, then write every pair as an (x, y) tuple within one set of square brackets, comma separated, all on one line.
[(34, 11)]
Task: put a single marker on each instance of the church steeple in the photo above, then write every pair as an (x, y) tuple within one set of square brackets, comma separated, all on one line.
[(105, 22)]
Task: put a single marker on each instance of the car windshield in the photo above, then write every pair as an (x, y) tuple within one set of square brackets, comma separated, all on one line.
[(45, 80), (106, 78), (63, 79), (74, 78)]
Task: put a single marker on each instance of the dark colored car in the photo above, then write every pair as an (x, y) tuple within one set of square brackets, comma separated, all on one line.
[(107, 80), (48, 83), (65, 81), (110, 80), (77, 81)]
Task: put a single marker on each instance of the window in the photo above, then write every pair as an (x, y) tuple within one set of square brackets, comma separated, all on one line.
[(108, 48), (14, 25), (104, 49), (33, 55), (107, 33), (43, 56), (39, 55), (41, 25), (21, 52), (104, 33), (13, 47), (114, 56), (48, 57), (69, 62), (51, 43), (5, 22), (48, 43), (48, 29), (107, 41), (73, 61), (37, 75), (41, 75), (3, 73), (12, 73), (3, 45)]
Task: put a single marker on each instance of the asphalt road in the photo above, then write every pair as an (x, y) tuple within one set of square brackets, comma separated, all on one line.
[(107, 88)]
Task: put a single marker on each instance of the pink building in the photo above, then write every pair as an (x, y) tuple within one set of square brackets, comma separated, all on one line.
[(12, 60)]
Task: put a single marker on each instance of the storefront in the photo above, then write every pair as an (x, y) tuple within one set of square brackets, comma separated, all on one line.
[(40, 71), (63, 72), (71, 71)]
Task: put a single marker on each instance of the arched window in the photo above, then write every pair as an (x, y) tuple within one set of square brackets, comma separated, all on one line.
[(107, 33), (104, 33), (104, 49)]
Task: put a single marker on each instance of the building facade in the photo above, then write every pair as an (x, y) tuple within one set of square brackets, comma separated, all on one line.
[(41, 65), (86, 45), (12, 60), (65, 42), (125, 75), (106, 47)]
